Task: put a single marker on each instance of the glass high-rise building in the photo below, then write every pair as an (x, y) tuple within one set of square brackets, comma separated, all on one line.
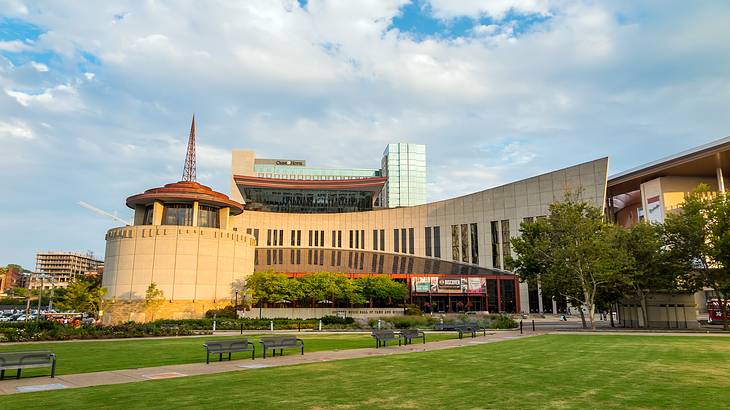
[(405, 167)]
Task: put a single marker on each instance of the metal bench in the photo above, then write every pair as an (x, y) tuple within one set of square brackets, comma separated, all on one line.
[(228, 346), (281, 343), (471, 328), (409, 334), (383, 336), (26, 360)]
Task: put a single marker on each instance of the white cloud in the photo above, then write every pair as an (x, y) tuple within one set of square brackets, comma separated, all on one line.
[(13, 46), (493, 8), (40, 67), (17, 130), (61, 98)]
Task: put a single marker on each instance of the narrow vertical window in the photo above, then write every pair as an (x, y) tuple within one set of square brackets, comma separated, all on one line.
[(321, 238), (455, 242), (256, 236), (427, 240), (310, 238), (299, 237), (375, 240), (281, 237), (268, 237), (396, 241), (474, 244), (293, 238), (403, 240), (316, 238), (494, 225), (411, 240), (334, 240), (357, 240), (362, 239), (382, 239), (339, 240), (505, 241), (465, 243), (351, 239), (437, 241)]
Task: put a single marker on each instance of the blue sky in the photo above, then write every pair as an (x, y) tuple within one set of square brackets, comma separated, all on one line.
[(96, 97)]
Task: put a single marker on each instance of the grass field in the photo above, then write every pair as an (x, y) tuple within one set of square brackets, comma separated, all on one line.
[(94, 356), (553, 371)]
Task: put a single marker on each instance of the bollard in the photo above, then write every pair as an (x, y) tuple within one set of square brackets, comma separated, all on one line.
[(271, 325), (299, 326), (320, 325), (241, 328), (520, 326), (214, 326), (533, 325)]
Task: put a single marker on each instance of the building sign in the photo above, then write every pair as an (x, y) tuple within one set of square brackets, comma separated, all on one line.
[(449, 285), (289, 162), (654, 210)]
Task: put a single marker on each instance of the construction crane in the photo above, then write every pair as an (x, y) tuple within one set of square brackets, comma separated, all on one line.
[(103, 213)]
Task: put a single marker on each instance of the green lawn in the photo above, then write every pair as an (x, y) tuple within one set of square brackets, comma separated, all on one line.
[(93, 356), (554, 371)]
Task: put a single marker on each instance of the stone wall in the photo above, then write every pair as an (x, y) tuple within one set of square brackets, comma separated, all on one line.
[(311, 313), (121, 311), (665, 312)]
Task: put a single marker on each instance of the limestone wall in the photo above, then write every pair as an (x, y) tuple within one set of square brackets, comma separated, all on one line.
[(191, 265)]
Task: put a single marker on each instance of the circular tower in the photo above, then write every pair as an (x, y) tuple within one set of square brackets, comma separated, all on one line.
[(182, 243)]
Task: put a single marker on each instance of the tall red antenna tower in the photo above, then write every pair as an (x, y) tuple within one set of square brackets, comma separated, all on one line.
[(189, 171)]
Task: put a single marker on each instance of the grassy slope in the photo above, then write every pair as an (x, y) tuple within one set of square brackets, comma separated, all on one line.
[(556, 371), (93, 356)]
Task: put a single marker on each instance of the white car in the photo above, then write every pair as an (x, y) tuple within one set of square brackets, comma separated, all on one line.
[(4, 318)]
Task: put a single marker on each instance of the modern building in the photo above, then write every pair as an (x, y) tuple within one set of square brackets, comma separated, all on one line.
[(289, 185), (58, 268), (195, 242), (404, 166), (652, 191)]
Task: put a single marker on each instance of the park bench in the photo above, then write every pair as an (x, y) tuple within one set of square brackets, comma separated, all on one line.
[(382, 336), (462, 328), (409, 334), (26, 360), (169, 326), (228, 346), (281, 343)]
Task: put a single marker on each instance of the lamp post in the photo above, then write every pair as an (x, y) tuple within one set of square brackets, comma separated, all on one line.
[(236, 305)]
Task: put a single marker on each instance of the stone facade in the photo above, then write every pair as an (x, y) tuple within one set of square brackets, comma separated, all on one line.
[(193, 266)]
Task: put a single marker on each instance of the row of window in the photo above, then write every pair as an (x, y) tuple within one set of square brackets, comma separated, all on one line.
[(309, 177), (464, 240), (182, 215)]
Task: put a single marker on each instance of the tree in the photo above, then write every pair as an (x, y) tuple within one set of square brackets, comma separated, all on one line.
[(82, 297), (698, 238), (647, 268), (381, 287), (569, 253), (154, 298)]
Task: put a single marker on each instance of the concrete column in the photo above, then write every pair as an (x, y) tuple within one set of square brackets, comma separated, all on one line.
[(195, 213), (720, 180), (139, 211), (539, 297), (555, 306), (224, 217), (157, 211)]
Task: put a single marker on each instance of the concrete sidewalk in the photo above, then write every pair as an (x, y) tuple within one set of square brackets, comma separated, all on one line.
[(12, 386)]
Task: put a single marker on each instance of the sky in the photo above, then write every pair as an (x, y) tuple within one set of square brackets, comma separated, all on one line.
[(96, 97)]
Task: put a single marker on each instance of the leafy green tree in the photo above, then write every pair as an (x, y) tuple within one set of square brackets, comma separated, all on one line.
[(569, 253), (698, 238), (82, 297), (154, 298), (319, 286), (381, 287), (648, 269)]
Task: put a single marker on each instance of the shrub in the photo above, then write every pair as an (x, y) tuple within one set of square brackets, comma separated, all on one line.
[(503, 322), (413, 310), (228, 312), (337, 320)]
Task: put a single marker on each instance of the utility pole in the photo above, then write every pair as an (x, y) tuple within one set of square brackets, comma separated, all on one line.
[(40, 297)]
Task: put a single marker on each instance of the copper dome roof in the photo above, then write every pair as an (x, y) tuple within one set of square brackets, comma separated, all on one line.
[(185, 191)]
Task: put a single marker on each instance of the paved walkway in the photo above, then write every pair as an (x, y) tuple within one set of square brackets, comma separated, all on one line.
[(12, 386)]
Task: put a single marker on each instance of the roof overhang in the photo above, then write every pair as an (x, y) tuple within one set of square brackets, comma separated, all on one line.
[(371, 184), (701, 161)]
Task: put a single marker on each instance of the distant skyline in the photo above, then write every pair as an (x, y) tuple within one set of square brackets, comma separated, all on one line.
[(96, 97)]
